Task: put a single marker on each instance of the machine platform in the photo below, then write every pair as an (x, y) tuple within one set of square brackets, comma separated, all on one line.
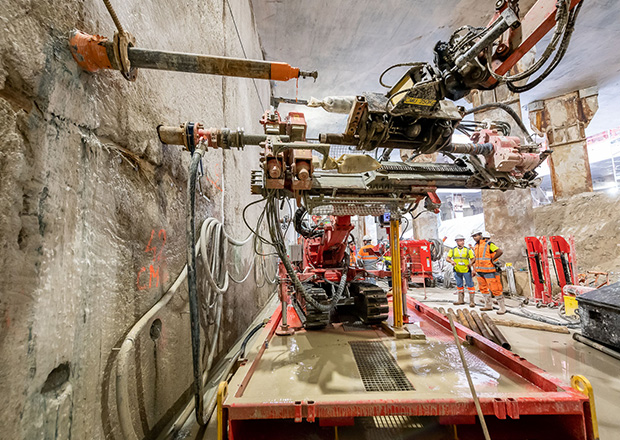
[(354, 381)]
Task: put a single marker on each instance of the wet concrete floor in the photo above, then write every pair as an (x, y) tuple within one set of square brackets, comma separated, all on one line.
[(319, 364), (560, 355)]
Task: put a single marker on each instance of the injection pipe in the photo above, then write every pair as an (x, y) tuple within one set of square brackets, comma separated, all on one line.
[(94, 52)]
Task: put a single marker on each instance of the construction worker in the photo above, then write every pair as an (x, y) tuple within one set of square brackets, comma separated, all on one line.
[(368, 255), (462, 258), (352, 254), (486, 253)]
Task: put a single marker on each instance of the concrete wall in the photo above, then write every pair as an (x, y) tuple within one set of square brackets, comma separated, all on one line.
[(85, 187)]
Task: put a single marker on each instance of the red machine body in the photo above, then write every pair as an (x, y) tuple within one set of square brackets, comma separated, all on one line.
[(506, 154), (564, 259), (416, 262), (538, 262), (323, 255), (328, 250)]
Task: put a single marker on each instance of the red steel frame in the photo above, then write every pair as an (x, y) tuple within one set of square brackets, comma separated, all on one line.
[(416, 261), (560, 246), (537, 250), (557, 407)]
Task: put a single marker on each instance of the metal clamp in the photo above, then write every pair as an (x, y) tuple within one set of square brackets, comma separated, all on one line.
[(122, 42)]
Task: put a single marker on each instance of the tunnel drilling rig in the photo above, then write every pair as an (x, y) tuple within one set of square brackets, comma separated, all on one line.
[(417, 114)]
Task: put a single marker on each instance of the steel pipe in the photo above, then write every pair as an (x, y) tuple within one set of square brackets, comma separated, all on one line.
[(472, 323), (493, 328), (94, 52)]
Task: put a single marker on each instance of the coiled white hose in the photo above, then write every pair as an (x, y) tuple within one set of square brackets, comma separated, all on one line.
[(209, 227)]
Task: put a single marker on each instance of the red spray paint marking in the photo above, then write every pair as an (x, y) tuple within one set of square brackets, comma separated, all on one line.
[(156, 247)]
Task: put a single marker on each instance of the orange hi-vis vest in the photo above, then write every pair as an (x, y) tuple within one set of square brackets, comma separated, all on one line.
[(367, 253), (483, 255)]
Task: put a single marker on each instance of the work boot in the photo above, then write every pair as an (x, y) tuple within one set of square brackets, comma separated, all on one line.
[(472, 303), (460, 300), (502, 305), (487, 303)]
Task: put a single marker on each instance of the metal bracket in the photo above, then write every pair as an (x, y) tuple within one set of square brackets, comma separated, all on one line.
[(122, 43)]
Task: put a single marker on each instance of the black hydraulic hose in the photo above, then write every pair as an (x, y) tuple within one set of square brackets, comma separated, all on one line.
[(191, 285), (303, 229), (508, 110), (247, 339), (557, 58), (600, 347)]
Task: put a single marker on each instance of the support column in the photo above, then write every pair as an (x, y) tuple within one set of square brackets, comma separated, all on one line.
[(563, 120), (397, 299), (508, 216)]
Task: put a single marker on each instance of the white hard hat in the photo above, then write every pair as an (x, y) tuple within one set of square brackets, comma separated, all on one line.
[(367, 238), (459, 237), (486, 234), (476, 231)]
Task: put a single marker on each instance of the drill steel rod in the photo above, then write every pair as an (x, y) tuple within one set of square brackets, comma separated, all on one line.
[(462, 319), (469, 381), (482, 327), (471, 322)]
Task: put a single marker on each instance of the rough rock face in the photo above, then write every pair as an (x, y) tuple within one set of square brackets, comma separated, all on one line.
[(592, 218), (92, 215)]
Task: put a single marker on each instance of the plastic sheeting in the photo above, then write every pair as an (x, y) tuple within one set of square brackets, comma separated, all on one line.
[(462, 225)]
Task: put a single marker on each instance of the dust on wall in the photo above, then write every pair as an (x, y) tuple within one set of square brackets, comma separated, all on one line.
[(92, 215)]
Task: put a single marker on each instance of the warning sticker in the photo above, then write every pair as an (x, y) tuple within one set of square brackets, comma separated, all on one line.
[(420, 101)]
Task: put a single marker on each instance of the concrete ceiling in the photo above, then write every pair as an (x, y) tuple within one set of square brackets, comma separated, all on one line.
[(350, 42)]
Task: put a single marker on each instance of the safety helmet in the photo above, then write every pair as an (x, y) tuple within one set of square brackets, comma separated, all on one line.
[(459, 237), (476, 231), (486, 234), (367, 238)]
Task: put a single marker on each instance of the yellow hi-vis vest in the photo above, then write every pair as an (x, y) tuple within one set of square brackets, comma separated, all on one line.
[(461, 257)]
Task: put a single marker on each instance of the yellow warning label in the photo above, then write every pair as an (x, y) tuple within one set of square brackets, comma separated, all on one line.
[(570, 305), (420, 101)]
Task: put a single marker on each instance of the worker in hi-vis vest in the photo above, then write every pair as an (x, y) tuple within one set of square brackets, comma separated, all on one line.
[(486, 253), (368, 256), (462, 258)]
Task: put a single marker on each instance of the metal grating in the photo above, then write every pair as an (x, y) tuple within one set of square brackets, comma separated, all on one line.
[(378, 368)]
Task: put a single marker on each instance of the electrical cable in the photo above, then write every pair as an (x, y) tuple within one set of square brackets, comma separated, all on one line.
[(394, 66), (278, 240), (247, 339), (191, 285), (405, 228), (243, 50), (213, 248)]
